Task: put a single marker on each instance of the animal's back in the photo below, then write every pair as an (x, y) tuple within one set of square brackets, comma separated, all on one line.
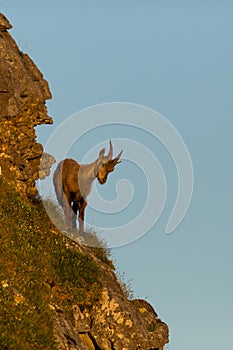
[(65, 179)]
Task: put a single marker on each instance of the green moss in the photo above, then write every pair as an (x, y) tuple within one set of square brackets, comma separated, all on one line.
[(37, 268), (152, 327)]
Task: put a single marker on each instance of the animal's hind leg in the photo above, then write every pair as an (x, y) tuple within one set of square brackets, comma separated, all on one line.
[(82, 207), (74, 215)]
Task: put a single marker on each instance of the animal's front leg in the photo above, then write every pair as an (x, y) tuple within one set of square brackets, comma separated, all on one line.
[(82, 207), (67, 210)]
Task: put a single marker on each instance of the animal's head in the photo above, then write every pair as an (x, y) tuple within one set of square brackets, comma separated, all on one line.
[(105, 164)]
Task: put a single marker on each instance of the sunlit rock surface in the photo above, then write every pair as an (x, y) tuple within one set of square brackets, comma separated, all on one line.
[(23, 92)]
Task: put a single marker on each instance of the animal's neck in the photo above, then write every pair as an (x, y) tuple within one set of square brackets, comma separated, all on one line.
[(89, 170), (87, 174)]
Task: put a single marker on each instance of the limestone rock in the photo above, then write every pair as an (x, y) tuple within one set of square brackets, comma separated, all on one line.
[(23, 92), (82, 320), (46, 161), (4, 23), (67, 338), (116, 323)]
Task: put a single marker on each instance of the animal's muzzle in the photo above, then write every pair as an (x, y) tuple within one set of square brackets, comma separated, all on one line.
[(102, 181)]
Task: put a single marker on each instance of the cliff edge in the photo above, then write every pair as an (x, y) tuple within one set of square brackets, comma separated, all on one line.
[(23, 92), (54, 293)]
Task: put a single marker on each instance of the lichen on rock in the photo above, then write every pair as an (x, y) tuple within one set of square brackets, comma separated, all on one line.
[(119, 323)]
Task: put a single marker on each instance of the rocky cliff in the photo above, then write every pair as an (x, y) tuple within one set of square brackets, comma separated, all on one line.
[(114, 322), (98, 315), (23, 93)]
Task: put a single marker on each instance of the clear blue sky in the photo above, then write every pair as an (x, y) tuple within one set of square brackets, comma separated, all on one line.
[(175, 57)]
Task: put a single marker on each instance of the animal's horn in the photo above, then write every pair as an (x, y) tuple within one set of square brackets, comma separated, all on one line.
[(116, 160), (110, 154)]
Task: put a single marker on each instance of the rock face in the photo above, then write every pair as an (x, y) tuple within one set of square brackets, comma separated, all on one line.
[(122, 324), (114, 323), (23, 93)]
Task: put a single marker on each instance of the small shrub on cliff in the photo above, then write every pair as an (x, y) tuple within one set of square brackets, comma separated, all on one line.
[(126, 285)]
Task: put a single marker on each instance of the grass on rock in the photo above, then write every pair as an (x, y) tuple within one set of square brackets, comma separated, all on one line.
[(38, 268)]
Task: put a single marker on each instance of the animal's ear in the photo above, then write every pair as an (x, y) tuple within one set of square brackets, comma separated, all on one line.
[(101, 154)]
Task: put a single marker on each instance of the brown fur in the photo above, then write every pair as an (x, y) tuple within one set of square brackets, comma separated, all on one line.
[(73, 183)]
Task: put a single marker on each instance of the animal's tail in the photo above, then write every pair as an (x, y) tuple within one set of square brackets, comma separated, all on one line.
[(57, 182)]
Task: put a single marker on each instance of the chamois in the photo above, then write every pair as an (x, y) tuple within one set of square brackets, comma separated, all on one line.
[(73, 182)]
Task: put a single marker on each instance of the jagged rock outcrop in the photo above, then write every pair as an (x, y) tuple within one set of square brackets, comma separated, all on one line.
[(119, 323), (114, 323), (46, 161), (23, 93)]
